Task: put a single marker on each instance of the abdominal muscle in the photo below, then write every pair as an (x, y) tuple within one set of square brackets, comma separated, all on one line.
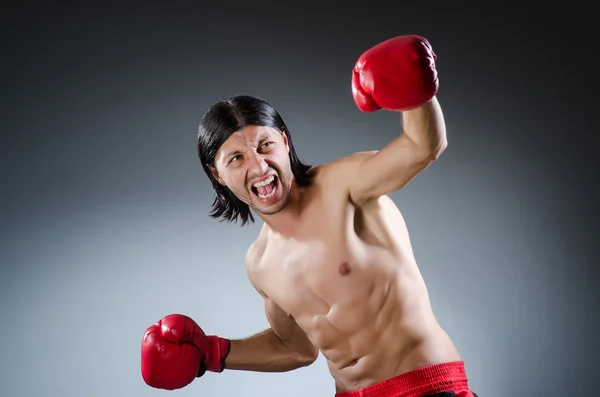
[(385, 329)]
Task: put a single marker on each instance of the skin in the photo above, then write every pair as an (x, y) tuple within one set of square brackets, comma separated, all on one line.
[(334, 261)]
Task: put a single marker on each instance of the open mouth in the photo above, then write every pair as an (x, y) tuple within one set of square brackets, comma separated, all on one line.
[(265, 188)]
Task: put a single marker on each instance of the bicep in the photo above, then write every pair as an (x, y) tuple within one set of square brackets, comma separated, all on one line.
[(289, 332), (377, 173), (395, 165), (283, 326)]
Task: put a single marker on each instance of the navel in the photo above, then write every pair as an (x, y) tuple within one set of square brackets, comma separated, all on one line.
[(345, 269)]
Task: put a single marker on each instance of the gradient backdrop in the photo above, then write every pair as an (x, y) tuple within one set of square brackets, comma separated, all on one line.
[(105, 226)]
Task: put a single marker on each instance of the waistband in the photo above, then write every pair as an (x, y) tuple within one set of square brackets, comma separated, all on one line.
[(431, 379)]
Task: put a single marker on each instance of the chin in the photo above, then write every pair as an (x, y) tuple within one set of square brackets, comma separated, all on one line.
[(269, 211)]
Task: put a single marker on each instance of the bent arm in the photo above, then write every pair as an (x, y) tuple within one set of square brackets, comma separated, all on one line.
[(395, 165), (281, 348)]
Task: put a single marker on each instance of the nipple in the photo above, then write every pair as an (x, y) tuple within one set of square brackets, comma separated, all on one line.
[(345, 269)]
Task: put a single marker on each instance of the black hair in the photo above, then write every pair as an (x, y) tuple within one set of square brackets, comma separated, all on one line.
[(224, 118)]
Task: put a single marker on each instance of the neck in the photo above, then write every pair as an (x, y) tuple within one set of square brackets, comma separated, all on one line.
[(285, 221)]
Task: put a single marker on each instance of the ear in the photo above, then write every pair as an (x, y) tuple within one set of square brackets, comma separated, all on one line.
[(285, 140), (216, 175)]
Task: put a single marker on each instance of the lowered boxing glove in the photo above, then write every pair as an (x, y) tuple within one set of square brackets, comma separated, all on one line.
[(175, 351), (398, 74)]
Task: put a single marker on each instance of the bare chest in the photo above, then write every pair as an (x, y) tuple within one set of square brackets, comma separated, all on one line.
[(328, 270), (306, 277)]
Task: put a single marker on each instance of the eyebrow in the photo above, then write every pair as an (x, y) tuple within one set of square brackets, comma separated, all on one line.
[(229, 154), (262, 138)]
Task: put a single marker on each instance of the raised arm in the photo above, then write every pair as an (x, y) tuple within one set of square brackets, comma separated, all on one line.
[(398, 75), (377, 173)]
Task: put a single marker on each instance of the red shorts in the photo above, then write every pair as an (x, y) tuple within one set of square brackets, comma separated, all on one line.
[(438, 380)]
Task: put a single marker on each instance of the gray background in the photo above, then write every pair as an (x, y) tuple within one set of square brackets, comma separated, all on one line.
[(105, 225)]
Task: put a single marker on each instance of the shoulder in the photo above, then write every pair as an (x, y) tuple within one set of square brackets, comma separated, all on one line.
[(254, 255), (256, 249)]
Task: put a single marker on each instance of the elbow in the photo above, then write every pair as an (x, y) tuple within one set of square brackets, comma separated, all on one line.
[(314, 355), (307, 361), (436, 150), (309, 356), (427, 152), (429, 155)]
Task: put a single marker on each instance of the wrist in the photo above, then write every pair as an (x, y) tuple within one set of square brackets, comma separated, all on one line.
[(217, 350)]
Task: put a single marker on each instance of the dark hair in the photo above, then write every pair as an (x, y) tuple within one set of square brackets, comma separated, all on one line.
[(224, 118)]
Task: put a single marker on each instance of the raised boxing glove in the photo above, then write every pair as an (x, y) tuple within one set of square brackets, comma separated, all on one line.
[(175, 350), (398, 74)]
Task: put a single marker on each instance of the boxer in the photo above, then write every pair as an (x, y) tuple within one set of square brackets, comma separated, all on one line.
[(333, 259)]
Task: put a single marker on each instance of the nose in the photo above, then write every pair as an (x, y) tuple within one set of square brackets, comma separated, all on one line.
[(257, 164)]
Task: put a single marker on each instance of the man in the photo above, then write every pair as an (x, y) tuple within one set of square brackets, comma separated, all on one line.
[(333, 260)]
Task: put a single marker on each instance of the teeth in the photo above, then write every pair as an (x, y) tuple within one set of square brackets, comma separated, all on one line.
[(265, 182)]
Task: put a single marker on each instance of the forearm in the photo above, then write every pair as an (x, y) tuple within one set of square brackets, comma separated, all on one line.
[(265, 352), (426, 128)]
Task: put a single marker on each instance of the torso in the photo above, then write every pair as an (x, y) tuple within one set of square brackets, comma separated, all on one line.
[(350, 281)]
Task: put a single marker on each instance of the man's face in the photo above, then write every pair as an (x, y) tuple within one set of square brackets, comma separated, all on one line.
[(254, 164)]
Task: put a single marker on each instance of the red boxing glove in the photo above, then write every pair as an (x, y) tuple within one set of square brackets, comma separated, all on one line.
[(175, 351), (398, 74)]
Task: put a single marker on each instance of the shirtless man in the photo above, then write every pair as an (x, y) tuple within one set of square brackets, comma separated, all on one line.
[(333, 259)]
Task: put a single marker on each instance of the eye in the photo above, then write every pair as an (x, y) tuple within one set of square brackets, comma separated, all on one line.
[(234, 158), (266, 145)]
